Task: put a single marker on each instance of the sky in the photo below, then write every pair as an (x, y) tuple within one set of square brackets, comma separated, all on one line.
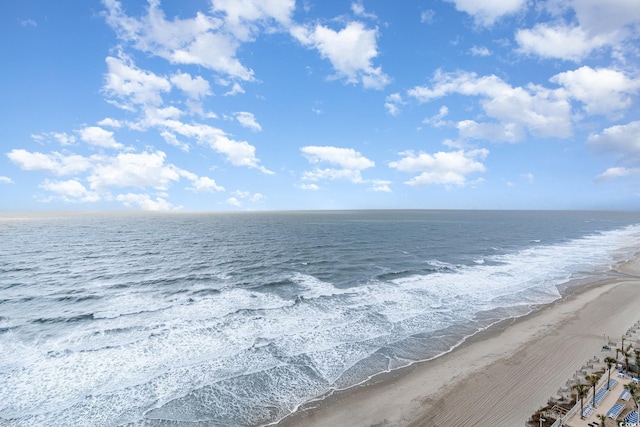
[(293, 105)]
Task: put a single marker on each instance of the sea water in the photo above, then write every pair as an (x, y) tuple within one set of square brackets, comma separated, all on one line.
[(224, 319)]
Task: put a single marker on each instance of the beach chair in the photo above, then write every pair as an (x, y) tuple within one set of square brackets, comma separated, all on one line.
[(625, 395), (632, 418), (587, 411), (615, 410), (600, 395)]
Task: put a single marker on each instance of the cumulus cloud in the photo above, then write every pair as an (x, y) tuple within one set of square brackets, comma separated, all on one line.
[(56, 163), (244, 18), (310, 187), (70, 191), (599, 17), (537, 110), (380, 185), (617, 172), (61, 138), (141, 170), (205, 184), (247, 120), (131, 85), (601, 90), (110, 123), (145, 202), (393, 103), (597, 25), (5, 180), (621, 139), (445, 168), (561, 41), (238, 153), (194, 87), (99, 137), (479, 51), (436, 120), (487, 12), (350, 51), (208, 40), (349, 163)]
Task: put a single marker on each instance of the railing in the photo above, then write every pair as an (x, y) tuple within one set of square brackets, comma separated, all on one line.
[(576, 408)]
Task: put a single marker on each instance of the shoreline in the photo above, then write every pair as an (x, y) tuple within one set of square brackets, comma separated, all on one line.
[(512, 367)]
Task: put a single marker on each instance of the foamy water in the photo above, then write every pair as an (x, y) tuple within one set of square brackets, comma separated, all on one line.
[(238, 319)]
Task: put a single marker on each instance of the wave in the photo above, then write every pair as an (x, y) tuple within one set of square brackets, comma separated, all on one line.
[(229, 355)]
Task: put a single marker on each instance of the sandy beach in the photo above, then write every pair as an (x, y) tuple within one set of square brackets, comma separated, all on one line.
[(499, 377)]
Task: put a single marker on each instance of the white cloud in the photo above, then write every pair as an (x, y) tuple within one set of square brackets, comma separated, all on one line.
[(70, 191), (486, 12), (142, 170), (243, 16), (195, 88), (621, 139), (144, 202), (171, 139), (561, 41), (205, 184), (349, 161), (598, 17), (349, 50), (132, 85), (246, 195), (393, 103), (238, 153), (540, 111), (358, 10), (56, 163), (601, 90), (479, 51), (110, 123), (446, 168), (234, 202), (426, 16), (199, 40), (618, 172), (61, 138), (236, 89), (380, 185), (436, 120), (247, 120), (5, 180), (99, 137), (309, 187), (496, 132)]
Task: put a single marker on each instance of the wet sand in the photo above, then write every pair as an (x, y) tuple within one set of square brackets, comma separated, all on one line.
[(500, 376)]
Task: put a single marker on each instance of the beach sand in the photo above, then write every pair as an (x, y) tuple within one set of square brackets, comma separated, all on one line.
[(498, 377)]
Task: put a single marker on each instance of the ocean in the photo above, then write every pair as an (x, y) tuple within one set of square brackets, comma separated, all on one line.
[(236, 319)]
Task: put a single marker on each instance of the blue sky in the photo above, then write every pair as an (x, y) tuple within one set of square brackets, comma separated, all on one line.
[(283, 104)]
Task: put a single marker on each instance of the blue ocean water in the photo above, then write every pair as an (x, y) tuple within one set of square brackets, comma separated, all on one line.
[(224, 319)]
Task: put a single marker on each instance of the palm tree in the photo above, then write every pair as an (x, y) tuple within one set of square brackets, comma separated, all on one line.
[(602, 418), (610, 361), (635, 393), (593, 380), (626, 356), (581, 392)]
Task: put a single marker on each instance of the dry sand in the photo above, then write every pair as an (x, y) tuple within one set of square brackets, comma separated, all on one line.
[(499, 377)]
